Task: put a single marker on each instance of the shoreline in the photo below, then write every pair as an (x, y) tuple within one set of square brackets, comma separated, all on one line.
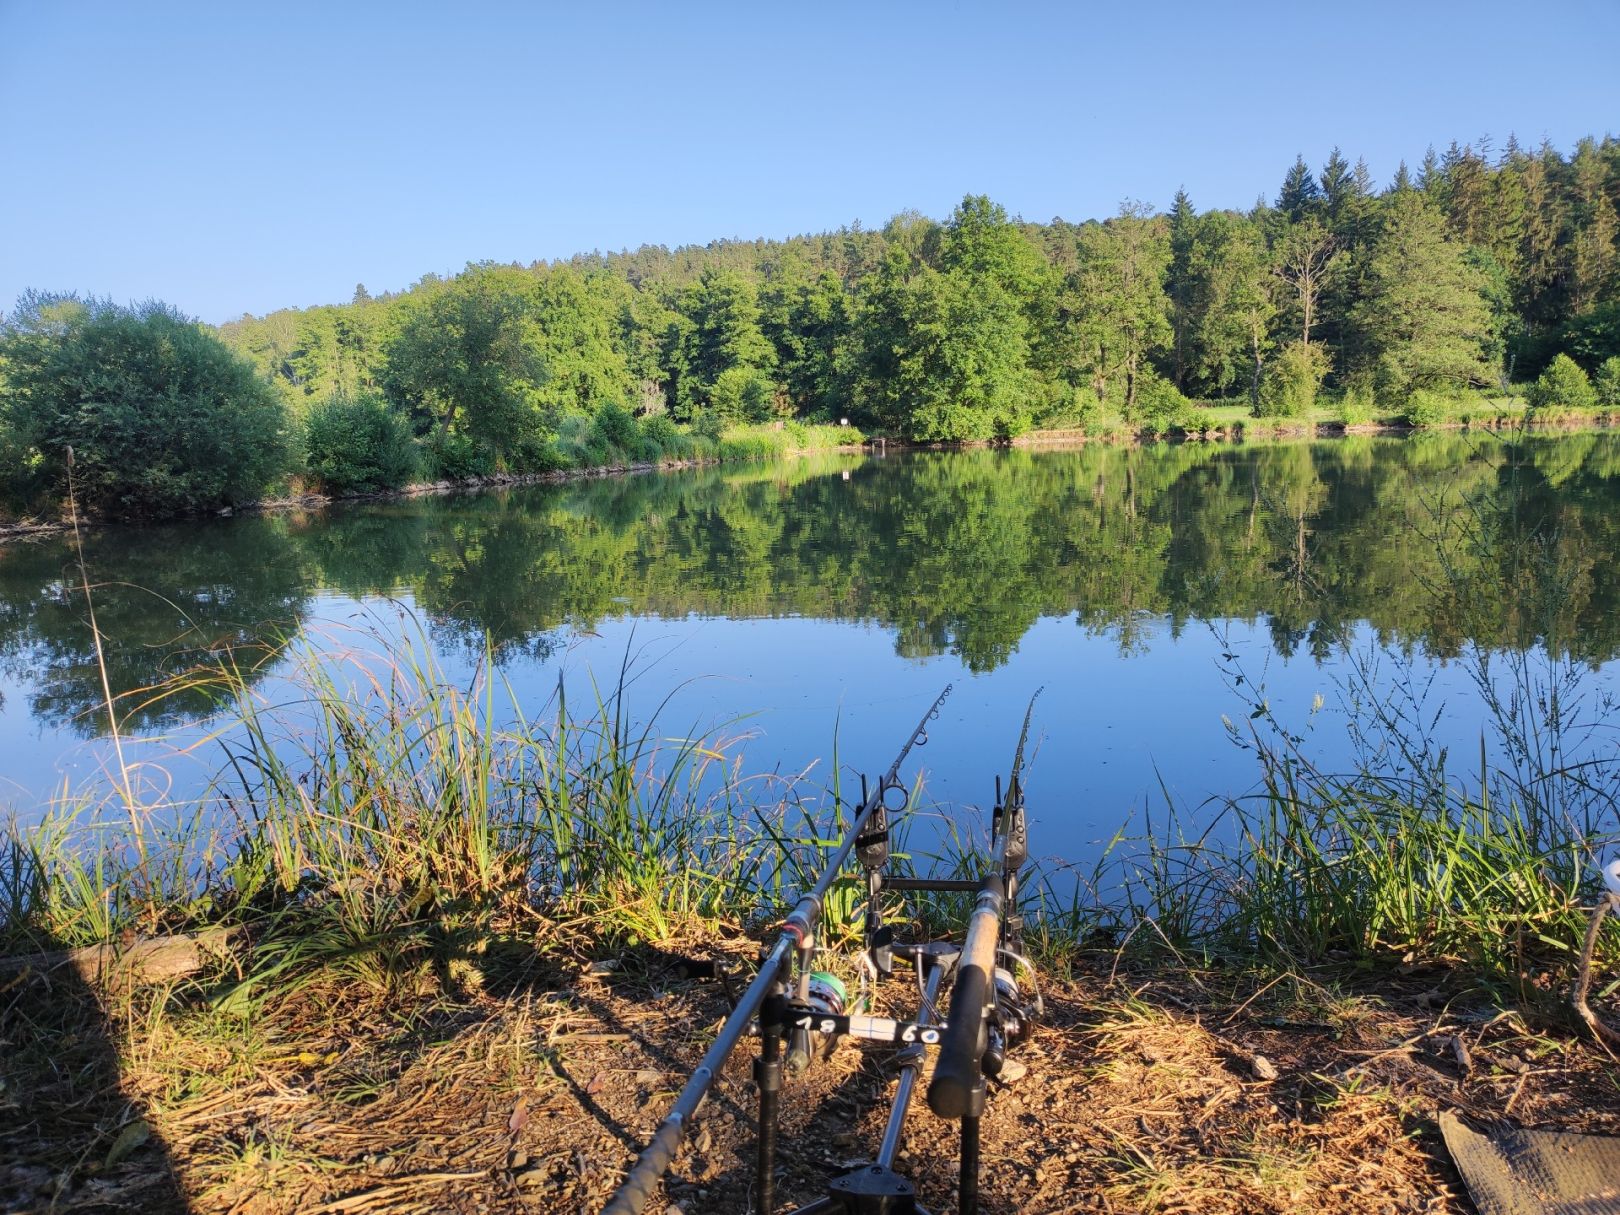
[(1244, 431)]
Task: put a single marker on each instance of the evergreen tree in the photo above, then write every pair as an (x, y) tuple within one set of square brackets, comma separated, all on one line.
[(722, 335), (1299, 196), (1180, 288), (1591, 261), (1424, 320), (1338, 183)]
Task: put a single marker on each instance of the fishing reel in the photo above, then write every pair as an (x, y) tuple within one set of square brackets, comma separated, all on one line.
[(1011, 1022)]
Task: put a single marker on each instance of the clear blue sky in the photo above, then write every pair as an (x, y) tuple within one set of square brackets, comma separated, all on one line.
[(231, 157)]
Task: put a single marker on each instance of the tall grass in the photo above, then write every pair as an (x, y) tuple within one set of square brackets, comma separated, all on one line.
[(380, 819)]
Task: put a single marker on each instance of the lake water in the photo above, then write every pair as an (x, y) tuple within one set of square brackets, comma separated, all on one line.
[(837, 596)]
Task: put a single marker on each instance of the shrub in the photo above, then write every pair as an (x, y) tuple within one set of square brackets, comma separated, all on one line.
[(356, 444), (614, 429), (742, 394), (661, 438), (1562, 386), (1356, 405), (162, 417), (1606, 383), (1158, 403), (456, 457), (709, 425), (1292, 380), (1199, 422), (1424, 408)]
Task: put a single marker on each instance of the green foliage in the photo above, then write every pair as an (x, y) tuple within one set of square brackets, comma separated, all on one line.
[(975, 328), (1198, 422), (1425, 408), (1115, 301), (662, 439), (1423, 320), (741, 394), (1563, 385), (1227, 303), (1292, 380), (1159, 405), (1357, 405), (463, 364), (1606, 383), (1065, 407), (721, 334), (948, 330), (161, 416), (451, 456), (359, 444)]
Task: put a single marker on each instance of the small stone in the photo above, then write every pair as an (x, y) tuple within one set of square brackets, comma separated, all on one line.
[(1012, 1071), (1264, 1068), (520, 1161)]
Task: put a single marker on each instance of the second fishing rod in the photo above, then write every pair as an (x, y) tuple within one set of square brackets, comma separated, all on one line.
[(796, 939)]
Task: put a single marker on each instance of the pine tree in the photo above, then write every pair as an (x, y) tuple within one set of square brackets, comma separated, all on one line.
[(1424, 319), (1299, 196), (1179, 286), (1591, 263), (1338, 183)]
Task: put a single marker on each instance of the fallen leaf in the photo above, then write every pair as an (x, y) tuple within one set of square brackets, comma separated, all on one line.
[(520, 1116), (130, 1138), (597, 1083)]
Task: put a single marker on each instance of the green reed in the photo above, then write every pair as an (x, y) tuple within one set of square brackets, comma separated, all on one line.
[(380, 818)]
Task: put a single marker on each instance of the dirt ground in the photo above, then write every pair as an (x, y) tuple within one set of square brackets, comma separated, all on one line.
[(1161, 1090)]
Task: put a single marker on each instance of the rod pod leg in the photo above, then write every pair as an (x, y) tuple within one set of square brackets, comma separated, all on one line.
[(768, 1075), (967, 1202)]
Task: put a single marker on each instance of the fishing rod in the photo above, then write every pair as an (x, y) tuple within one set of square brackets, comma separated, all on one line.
[(796, 936), (987, 1015)]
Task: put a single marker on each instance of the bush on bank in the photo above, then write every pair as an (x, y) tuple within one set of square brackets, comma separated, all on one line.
[(161, 417), (1564, 385), (358, 444)]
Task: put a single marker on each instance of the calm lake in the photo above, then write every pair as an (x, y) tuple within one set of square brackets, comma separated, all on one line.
[(835, 597)]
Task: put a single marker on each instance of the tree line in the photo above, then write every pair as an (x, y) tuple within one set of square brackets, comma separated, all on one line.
[(1481, 268)]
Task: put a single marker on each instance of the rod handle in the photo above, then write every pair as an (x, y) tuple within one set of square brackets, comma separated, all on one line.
[(961, 1048), (644, 1177)]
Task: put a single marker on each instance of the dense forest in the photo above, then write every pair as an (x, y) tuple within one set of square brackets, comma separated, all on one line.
[(1482, 268)]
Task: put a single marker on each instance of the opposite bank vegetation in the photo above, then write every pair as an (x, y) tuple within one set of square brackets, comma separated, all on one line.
[(1484, 283)]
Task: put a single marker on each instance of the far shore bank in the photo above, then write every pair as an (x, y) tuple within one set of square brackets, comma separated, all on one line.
[(1238, 430)]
